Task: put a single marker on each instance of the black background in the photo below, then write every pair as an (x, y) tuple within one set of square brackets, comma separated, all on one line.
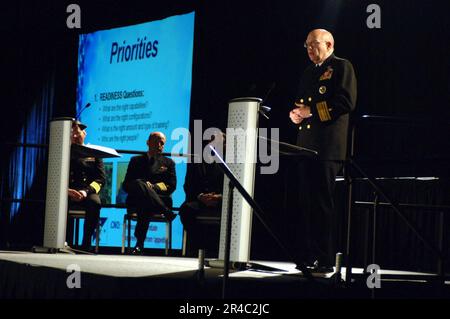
[(240, 49)]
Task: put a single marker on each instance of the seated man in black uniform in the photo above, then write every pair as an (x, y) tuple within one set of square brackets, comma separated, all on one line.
[(203, 187), (87, 175), (149, 181)]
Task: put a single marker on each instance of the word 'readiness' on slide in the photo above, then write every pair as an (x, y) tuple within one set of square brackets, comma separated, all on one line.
[(138, 80)]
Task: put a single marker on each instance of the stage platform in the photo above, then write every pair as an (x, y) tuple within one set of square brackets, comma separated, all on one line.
[(27, 275)]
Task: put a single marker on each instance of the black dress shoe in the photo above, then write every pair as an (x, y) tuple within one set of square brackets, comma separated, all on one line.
[(323, 270), (320, 268), (304, 269), (138, 251)]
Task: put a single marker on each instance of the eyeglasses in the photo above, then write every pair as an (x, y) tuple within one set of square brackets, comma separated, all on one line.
[(313, 44)]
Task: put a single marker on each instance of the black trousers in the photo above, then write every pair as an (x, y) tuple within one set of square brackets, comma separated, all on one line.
[(314, 225), (200, 236), (91, 204), (146, 202)]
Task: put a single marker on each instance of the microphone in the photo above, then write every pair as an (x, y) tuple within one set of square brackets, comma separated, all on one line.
[(272, 86), (82, 110), (263, 109)]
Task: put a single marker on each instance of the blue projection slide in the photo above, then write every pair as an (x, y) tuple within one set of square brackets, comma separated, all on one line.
[(138, 80)]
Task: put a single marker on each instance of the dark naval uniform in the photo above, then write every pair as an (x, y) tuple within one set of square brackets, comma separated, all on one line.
[(330, 91), (87, 174), (201, 178), (159, 171)]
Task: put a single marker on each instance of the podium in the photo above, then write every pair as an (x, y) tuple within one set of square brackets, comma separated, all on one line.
[(91, 150), (56, 201), (241, 158)]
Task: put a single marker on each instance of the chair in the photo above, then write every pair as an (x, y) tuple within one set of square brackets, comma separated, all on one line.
[(203, 220), (77, 214), (166, 218)]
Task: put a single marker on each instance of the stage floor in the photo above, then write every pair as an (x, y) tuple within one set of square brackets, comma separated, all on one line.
[(36, 275)]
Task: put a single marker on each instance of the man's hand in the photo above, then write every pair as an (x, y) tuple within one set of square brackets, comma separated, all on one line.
[(210, 199), (299, 113), (77, 196), (150, 185)]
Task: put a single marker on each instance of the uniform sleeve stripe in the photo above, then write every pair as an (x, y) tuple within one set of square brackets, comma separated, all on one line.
[(324, 113), (96, 186), (320, 111), (162, 186)]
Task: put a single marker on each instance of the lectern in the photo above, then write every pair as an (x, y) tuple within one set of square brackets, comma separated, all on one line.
[(57, 184), (241, 155), (56, 201)]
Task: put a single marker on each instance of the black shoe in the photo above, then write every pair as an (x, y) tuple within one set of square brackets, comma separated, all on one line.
[(323, 270), (304, 269), (317, 267), (138, 251)]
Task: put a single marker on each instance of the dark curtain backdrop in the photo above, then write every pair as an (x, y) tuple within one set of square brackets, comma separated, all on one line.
[(242, 48)]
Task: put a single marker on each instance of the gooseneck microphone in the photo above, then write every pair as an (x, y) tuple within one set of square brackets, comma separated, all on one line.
[(82, 110), (263, 109), (272, 86)]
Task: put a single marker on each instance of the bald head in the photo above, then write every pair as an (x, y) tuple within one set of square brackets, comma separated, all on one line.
[(320, 45), (156, 142), (156, 135), (322, 35)]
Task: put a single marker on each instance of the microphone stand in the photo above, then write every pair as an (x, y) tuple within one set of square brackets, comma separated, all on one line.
[(234, 183), (82, 110), (291, 146)]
